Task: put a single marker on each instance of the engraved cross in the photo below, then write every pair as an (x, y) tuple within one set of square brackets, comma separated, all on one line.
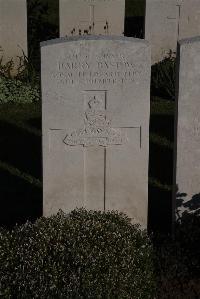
[(91, 26), (99, 140)]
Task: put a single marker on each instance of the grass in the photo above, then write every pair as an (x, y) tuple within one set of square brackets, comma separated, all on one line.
[(135, 8), (20, 163), (25, 116), (160, 106), (16, 172), (161, 164)]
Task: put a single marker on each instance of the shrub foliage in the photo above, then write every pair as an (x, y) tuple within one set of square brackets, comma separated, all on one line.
[(19, 85), (79, 255), (17, 91), (163, 76)]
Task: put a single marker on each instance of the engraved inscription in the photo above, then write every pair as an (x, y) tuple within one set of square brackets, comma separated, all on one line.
[(97, 130), (196, 128), (104, 68)]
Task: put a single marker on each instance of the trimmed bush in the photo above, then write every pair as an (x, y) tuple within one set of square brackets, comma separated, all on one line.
[(79, 255)]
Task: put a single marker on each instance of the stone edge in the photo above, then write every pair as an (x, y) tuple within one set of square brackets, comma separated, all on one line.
[(92, 37), (189, 40)]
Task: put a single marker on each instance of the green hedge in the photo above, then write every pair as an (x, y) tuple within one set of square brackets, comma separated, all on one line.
[(79, 255)]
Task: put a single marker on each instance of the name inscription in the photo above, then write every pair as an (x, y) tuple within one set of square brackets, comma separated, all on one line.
[(106, 68)]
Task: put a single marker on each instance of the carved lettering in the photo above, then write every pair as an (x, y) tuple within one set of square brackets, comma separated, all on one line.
[(73, 65), (196, 128), (109, 68)]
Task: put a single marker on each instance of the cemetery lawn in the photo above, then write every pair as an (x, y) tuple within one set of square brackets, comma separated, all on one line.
[(161, 164), (21, 162)]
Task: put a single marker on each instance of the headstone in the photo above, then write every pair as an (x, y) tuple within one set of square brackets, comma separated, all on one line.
[(189, 24), (13, 30), (95, 93), (83, 17), (187, 154), (167, 21), (161, 27)]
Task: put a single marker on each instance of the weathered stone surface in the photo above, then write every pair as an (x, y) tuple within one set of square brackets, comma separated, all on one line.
[(104, 17), (95, 93), (161, 26), (13, 29), (187, 167), (167, 21), (189, 23)]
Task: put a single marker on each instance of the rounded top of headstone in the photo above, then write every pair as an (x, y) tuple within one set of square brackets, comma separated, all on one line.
[(92, 37)]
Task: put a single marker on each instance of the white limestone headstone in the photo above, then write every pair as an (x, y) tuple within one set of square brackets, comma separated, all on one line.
[(81, 17), (187, 154), (167, 21), (96, 106), (13, 30), (161, 27), (189, 23)]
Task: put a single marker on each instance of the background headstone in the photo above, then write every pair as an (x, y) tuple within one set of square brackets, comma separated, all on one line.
[(187, 154), (189, 24), (167, 21), (13, 30), (95, 93), (161, 27), (92, 17)]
